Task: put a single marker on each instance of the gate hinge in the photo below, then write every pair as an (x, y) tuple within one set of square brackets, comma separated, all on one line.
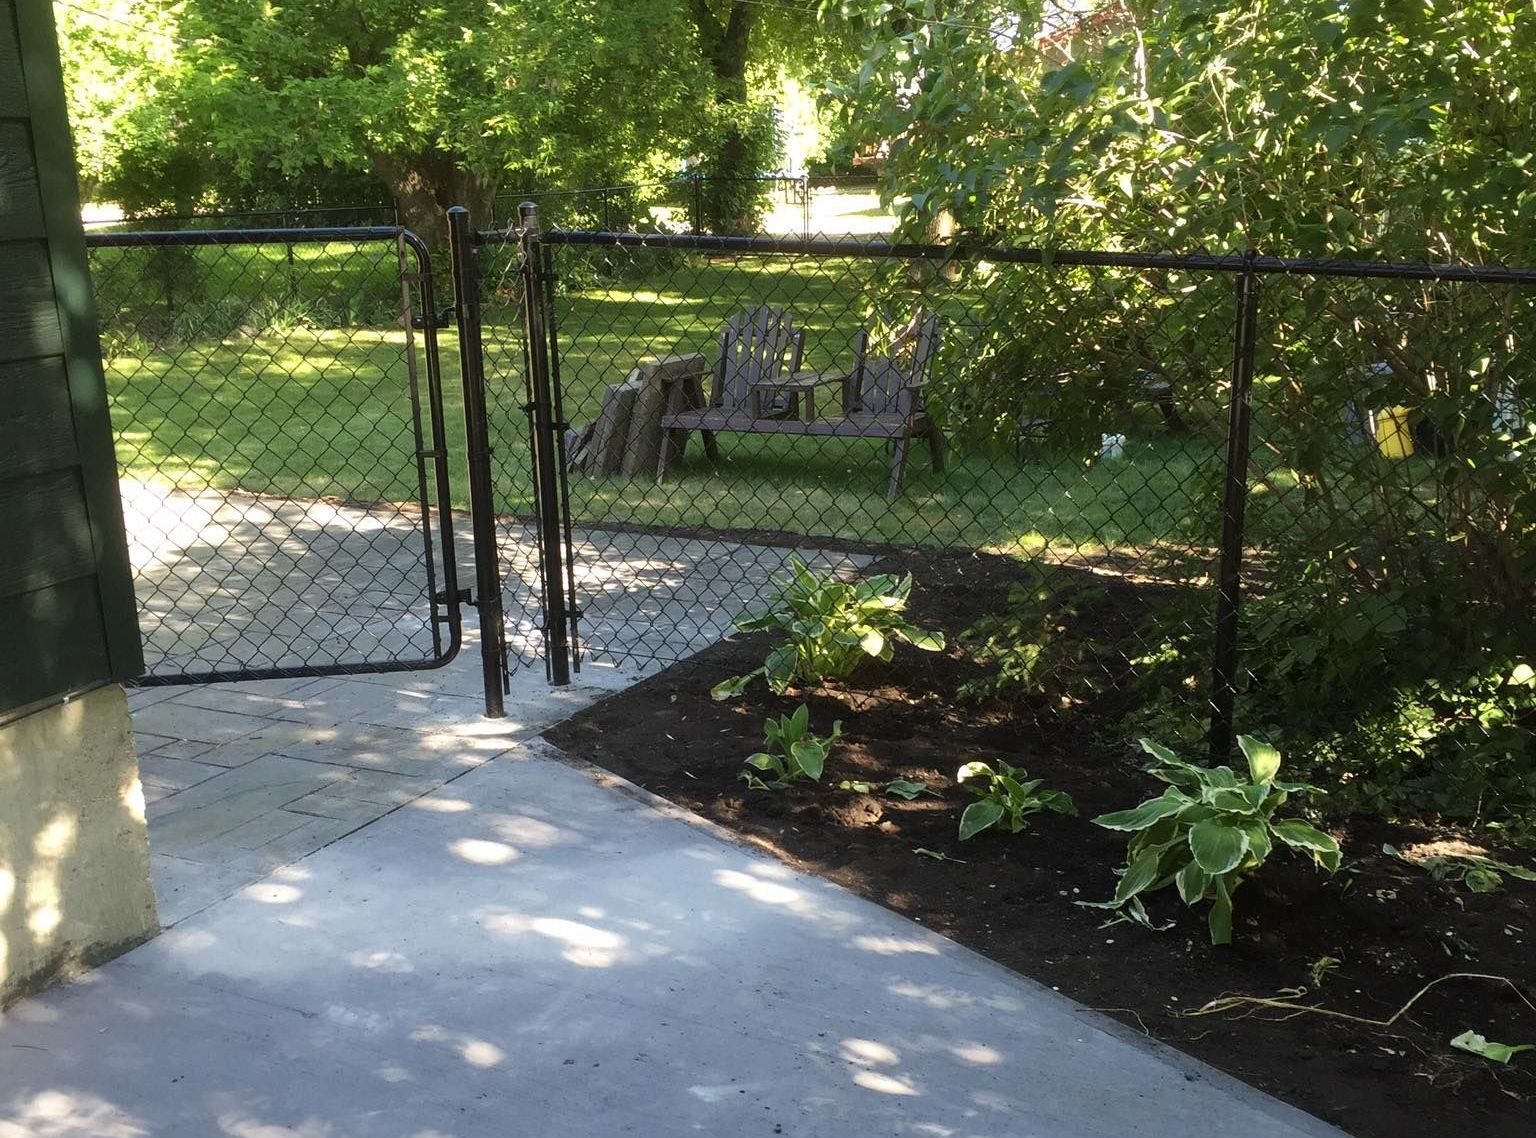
[(443, 319)]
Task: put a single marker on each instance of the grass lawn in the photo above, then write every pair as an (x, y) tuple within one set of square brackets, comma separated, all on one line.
[(293, 409)]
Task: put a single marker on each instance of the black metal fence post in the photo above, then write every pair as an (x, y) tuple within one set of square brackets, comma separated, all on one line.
[(466, 288), (548, 446), (1229, 578)]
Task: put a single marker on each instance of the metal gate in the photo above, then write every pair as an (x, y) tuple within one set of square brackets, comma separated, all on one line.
[(525, 578), (283, 450)]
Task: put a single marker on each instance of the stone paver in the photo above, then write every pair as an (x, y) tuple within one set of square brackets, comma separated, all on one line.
[(242, 778)]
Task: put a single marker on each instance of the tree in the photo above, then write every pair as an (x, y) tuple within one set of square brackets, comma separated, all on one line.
[(1396, 127), (115, 58), (737, 38), (438, 103)]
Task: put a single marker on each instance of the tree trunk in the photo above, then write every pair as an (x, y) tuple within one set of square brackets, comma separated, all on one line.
[(726, 44), (425, 185)]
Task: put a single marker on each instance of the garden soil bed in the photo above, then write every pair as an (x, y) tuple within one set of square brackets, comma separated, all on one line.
[(1009, 896)]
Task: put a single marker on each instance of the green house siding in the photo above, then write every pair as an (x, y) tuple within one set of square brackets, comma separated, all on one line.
[(67, 612)]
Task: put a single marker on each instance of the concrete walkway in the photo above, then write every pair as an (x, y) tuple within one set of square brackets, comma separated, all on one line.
[(494, 943)]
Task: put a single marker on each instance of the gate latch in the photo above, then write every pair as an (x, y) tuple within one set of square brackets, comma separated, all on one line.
[(443, 319), (462, 597)]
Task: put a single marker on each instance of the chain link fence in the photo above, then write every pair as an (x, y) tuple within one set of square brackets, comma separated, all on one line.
[(283, 448), (1343, 448), (1293, 498)]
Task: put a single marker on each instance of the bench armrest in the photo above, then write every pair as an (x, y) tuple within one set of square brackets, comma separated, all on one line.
[(799, 381)]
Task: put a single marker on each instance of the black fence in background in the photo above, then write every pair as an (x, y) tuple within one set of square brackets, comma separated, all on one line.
[(680, 203), (1288, 497), (296, 217), (1205, 462)]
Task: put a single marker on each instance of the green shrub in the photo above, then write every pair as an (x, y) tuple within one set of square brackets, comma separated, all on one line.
[(792, 752), (830, 626), (1207, 832)]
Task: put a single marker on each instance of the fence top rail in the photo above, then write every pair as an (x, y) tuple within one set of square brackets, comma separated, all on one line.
[(303, 235), (876, 250), (220, 214)]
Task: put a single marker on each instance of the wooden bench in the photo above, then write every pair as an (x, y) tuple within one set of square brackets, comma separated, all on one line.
[(882, 397)]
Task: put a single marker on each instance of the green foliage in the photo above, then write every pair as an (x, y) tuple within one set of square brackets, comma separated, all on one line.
[(1005, 797), (435, 103), (1477, 1044), (829, 625), (1033, 647), (1478, 873), (1208, 831), (792, 752), (740, 140), (896, 788), (1280, 124)]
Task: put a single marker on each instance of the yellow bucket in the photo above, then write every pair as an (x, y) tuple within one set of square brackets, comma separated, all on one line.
[(1393, 439)]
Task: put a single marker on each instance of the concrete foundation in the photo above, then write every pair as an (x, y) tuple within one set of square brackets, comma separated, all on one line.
[(74, 852)]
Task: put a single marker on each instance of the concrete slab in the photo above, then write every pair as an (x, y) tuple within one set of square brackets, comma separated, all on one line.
[(526, 951), (185, 887), (175, 719)]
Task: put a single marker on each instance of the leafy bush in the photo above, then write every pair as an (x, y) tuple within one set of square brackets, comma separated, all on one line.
[(1207, 832), (742, 141), (830, 627), (1392, 596), (792, 752), (1005, 796), (1033, 647)]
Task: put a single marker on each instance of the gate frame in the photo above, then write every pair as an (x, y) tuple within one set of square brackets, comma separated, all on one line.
[(444, 604), (559, 614)]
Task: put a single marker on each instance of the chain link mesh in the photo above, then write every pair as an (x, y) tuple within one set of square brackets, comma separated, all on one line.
[(272, 406), (1073, 412)]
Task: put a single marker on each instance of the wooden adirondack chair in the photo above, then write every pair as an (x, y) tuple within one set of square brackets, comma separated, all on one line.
[(756, 349), (886, 396)]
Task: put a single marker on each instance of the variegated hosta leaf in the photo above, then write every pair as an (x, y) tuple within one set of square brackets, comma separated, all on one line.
[(978, 816), (1205, 846), (1140, 817), (1263, 760), (1218, 848)]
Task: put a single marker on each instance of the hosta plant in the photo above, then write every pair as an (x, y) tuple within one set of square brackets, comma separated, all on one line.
[(1005, 797), (1208, 831), (792, 752), (830, 626)]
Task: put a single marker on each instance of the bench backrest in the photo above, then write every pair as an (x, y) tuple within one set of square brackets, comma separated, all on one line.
[(758, 345), (883, 384)]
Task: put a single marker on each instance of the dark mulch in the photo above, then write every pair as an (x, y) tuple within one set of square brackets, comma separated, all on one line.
[(1010, 896)]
